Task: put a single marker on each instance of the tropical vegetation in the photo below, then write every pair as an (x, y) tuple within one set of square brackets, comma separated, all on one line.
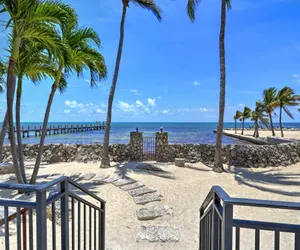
[(238, 115), (46, 41), (148, 5), (226, 4), (264, 111)]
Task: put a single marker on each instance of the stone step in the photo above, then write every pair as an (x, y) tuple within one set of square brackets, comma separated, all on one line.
[(123, 182), (144, 199), (132, 186), (159, 233), (151, 213), (141, 191), (75, 176), (86, 176), (111, 179), (99, 179)]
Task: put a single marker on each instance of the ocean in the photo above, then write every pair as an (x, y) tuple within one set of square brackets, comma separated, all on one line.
[(179, 132)]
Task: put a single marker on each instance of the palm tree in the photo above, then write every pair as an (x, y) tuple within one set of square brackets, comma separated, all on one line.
[(34, 64), (245, 115), (258, 115), (3, 69), (34, 21), (79, 56), (270, 102), (286, 98), (191, 7), (238, 115), (146, 4)]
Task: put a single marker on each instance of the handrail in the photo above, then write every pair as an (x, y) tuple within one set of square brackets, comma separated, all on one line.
[(32, 187), (83, 189), (248, 202)]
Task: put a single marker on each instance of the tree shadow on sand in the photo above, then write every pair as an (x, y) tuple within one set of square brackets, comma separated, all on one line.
[(267, 181)]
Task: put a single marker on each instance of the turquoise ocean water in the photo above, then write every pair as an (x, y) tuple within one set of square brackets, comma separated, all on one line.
[(178, 132)]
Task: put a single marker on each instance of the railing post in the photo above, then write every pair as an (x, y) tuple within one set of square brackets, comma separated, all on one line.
[(215, 223), (64, 206), (102, 227), (41, 220), (227, 225)]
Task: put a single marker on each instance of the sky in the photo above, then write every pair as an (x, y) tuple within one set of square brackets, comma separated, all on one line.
[(170, 69)]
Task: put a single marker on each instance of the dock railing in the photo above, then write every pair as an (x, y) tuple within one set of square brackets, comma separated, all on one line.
[(217, 222), (61, 215)]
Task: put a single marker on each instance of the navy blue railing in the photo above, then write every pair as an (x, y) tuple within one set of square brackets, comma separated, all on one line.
[(76, 227), (217, 222)]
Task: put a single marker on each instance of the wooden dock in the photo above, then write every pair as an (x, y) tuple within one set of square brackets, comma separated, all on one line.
[(60, 129)]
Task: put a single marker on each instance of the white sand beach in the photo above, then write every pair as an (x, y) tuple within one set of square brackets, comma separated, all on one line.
[(184, 189)]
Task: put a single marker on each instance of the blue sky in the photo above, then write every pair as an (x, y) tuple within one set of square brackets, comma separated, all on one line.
[(170, 70)]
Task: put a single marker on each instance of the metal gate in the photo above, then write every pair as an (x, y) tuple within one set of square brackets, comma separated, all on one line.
[(149, 148)]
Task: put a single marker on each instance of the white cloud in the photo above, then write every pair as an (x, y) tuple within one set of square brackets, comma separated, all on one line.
[(67, 111), (126, 107), (165, 111), (203, 110), (73, 104), (151, 102), (139, 103), (134, 91), (241, 105), (158, 97), (196, 83), (100, 111), (296, 76), (82, 111)]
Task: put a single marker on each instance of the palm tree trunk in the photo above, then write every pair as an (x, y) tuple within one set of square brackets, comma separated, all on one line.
[(11, 85), (218, 163), (280, 121), (254, 134), (105, 157), (257, 133), (235, 125), (44, 130), (18, 126), (2, 135), (243, 126), (271, 123)]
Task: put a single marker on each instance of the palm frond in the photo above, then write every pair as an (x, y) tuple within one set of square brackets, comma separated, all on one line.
[(149, 5), (288, 112), (191, 8)]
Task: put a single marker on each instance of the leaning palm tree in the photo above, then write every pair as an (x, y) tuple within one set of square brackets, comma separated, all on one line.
[(238, 115), (34, 21), (191, 7), (3, 69), (286, 98), (34, 63), (79, 56), (146, 4), (245, 115), (270, 102), (258, 115)]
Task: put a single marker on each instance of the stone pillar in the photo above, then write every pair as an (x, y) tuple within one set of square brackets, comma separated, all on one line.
[(136, 146), (161, 147)]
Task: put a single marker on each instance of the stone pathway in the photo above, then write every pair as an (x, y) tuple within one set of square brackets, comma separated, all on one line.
[(141, 195)]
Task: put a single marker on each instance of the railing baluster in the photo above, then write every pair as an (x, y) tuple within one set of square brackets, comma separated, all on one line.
[(84, 227), (297, 241), (78, 247), (6, 228), (64, 203), (73, 225), (276, 240), (30, 229), (95, 229), (19, 229), (24, 228), (53, 226), (90, 228), (237, 238), (257, 239), (227, 226)]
